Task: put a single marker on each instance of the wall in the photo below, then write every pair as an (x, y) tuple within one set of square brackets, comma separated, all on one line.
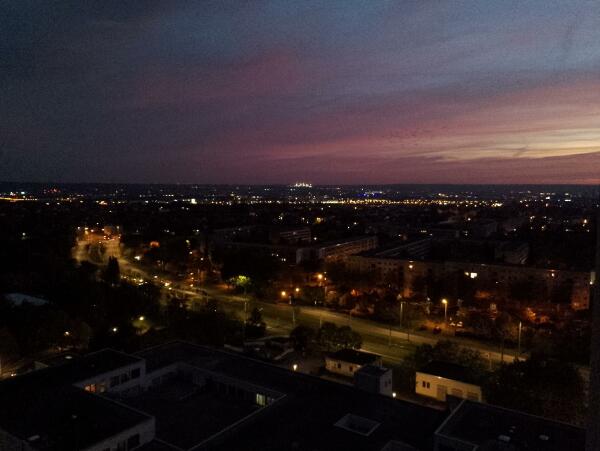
[(340, 367), (431, 389), (146, 431), (102, 382)]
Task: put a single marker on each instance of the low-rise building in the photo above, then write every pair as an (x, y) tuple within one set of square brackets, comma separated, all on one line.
[(374, 379), (193, 397), (346, 362), (440, 379), (59, 408)]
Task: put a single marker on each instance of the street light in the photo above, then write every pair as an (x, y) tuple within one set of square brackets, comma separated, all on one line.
[(445, 302), (519, 346)]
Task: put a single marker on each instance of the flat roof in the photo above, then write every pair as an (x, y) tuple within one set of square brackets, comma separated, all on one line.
[(448, 370), (484, 425), (305, 417), (354, 356), (62, 418), (372, 370), (187, 415), (45, 403)]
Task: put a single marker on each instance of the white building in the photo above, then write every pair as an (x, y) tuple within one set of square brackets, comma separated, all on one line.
[(440, 379), (346, 362)]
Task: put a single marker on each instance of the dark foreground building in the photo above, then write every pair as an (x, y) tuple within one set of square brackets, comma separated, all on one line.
[(185, 397)]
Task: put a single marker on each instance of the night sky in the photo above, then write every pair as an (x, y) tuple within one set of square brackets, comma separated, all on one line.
[(281, 91)]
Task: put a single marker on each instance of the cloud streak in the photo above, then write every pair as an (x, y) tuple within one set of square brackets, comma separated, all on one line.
[(325, 91)]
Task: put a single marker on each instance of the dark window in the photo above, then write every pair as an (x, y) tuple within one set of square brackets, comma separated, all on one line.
[(114, 381), (339, 365), (124, 378), (135, 373), (133, 441)]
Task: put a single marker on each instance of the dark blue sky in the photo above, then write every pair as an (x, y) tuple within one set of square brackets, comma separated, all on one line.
[(278, 91)]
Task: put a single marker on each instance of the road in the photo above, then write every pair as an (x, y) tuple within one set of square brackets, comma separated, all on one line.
[(394, 345)]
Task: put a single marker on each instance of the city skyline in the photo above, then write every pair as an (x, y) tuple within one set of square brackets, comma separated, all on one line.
[(324, 92)]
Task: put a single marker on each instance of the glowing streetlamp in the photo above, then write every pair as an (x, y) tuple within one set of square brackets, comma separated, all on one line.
[(445, 302)]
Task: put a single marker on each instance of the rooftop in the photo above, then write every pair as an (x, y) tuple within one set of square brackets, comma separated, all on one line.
[(448, 370), (354, 356), (485, 426), (309, 409), (373, 370), (61, 418)]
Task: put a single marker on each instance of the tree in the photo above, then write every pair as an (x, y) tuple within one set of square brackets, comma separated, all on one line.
[(481, 325), (112, 273), (387, 310), (540, 386), (240, 282), (418, 285), (301, 338), (255, 326), (326, 335), (347, 338), (9, 349), (330, 337)]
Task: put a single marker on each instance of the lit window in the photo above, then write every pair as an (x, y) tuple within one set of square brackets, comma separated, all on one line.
[(261, 400)]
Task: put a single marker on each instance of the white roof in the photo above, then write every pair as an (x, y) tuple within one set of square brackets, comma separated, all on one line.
[(20, 299)]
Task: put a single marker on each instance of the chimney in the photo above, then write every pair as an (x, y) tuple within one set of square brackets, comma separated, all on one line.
[(592, 441)]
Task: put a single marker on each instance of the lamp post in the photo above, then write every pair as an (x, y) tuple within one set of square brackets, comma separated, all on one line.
[(519, 340), (445, 302)]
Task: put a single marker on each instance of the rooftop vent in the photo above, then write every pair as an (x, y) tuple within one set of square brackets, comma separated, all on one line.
[(357, 424), (504, 438)]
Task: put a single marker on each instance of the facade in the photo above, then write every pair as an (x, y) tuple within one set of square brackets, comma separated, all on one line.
[(374, 379), (501, 276), (339, 249), (512, 253), (290, 236), (346, 362), (301, 251), (60, 408), (440, 379)]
